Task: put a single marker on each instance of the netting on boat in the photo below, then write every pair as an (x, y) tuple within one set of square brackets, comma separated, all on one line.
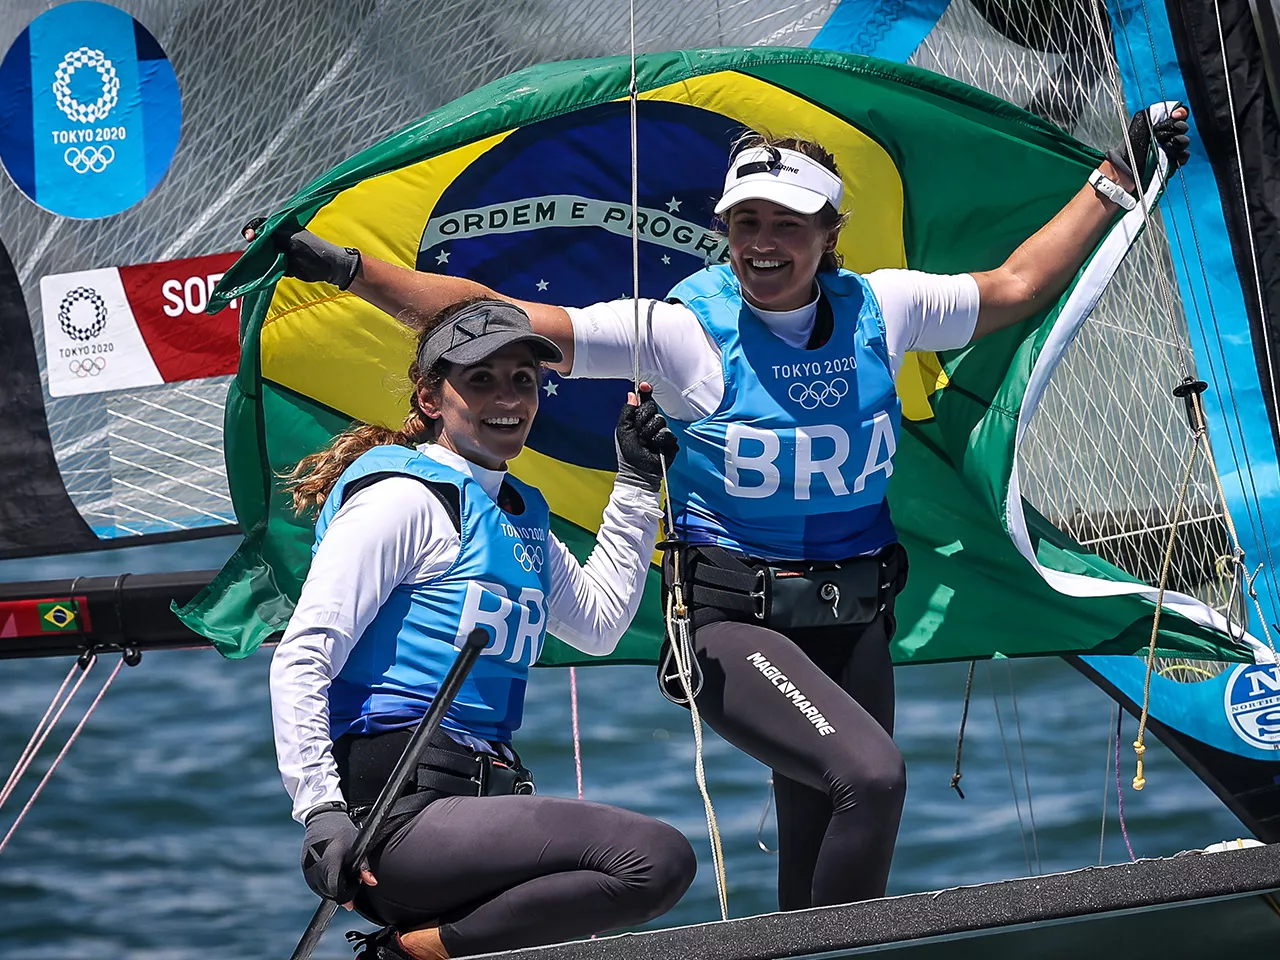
[(1105, 454), (275, 92)]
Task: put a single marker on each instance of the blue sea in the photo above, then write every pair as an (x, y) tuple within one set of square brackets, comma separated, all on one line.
[(165, 833)]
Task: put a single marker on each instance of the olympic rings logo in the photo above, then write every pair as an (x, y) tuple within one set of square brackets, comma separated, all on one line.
[(90, 367), (95, 159), (530, 558), (809, 395), (68, 323), (68, 104)]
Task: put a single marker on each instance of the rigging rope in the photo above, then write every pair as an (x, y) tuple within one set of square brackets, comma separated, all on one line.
[(676, 615), (964, 719), (41, 732), (577, 737), (1198, 439), (63, 752)]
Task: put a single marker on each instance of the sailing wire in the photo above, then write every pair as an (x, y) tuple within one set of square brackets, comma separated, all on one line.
[(1239, 457), (41, 733), (1026, 776), (1248, 219), (1124, 829), (1242, 463), (1162, 281), (1106, 787), (1013, 787), (676, 620), (1199, 428), (62, 753), (634, 99), (577, 738)]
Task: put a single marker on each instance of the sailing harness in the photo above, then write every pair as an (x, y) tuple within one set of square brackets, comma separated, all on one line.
[(719, 584), (448, 769)]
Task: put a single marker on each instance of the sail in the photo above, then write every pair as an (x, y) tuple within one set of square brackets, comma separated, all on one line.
[(273, 93), (1105, 456), (524, 184)]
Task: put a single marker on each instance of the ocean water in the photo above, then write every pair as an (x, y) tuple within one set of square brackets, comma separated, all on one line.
[(165, 833)]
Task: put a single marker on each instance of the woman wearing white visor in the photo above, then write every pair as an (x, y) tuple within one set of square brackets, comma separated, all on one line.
[(779, 488)]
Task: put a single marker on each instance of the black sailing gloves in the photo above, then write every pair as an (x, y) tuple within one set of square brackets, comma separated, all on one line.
[(330, 838), (312, 258), (1170, 136), (641, 436)]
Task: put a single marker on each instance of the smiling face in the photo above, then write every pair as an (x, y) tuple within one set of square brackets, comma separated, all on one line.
[(485, 410), (775, 253)]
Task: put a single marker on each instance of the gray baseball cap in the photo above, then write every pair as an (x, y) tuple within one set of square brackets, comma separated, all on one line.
[(480, 330)]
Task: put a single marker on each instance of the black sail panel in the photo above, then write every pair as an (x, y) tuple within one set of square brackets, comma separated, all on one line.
[(1251, 114), (36, 515)]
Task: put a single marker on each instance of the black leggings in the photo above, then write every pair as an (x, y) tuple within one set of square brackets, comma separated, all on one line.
[(839, 792), (497, 873)]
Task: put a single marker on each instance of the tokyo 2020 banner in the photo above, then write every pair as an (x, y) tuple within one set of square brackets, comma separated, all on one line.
[(90, 111)]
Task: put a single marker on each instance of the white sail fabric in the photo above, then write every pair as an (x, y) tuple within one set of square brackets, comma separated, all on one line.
[(1104, 456), (275, 92)]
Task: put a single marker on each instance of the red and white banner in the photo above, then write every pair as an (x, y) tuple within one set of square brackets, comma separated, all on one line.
[(124, 327)]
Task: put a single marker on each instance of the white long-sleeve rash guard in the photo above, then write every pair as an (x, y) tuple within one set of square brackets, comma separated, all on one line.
[(922, 311), (396, 531)]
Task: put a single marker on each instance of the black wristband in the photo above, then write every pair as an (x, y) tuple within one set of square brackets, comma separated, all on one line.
[(334, 805)]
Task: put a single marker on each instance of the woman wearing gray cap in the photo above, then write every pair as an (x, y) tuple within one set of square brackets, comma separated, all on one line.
[(776, 370), (422, 537)]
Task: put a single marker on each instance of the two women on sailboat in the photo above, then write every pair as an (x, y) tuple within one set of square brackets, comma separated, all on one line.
[(421, 537), (777, 371)]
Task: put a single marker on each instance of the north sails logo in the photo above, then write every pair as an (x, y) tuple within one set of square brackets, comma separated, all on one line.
[(1251, 702), (791, 692)]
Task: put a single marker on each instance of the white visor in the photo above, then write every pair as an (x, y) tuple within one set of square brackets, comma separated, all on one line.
[(786, 177)]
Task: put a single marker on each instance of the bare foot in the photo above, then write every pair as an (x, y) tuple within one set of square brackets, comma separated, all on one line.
[(424, 944)]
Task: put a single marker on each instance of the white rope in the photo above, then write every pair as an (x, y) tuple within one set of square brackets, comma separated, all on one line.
[(677, 636), (677, 622)]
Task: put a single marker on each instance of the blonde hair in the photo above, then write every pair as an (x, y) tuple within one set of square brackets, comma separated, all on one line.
[(311, 480), (828, 218)]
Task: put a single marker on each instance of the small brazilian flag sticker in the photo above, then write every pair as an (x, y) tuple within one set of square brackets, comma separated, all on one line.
[(56, 617)]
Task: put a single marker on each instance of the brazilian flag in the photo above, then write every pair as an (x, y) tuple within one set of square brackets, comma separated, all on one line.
[(525, 184)]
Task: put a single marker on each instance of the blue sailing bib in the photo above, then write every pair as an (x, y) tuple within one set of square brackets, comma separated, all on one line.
[(795, 463), (499, 582)]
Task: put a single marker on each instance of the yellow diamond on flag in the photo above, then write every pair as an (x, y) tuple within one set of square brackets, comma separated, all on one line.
[(57, 616)]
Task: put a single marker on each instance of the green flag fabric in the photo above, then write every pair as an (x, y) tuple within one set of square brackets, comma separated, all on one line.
[(525, 186)]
